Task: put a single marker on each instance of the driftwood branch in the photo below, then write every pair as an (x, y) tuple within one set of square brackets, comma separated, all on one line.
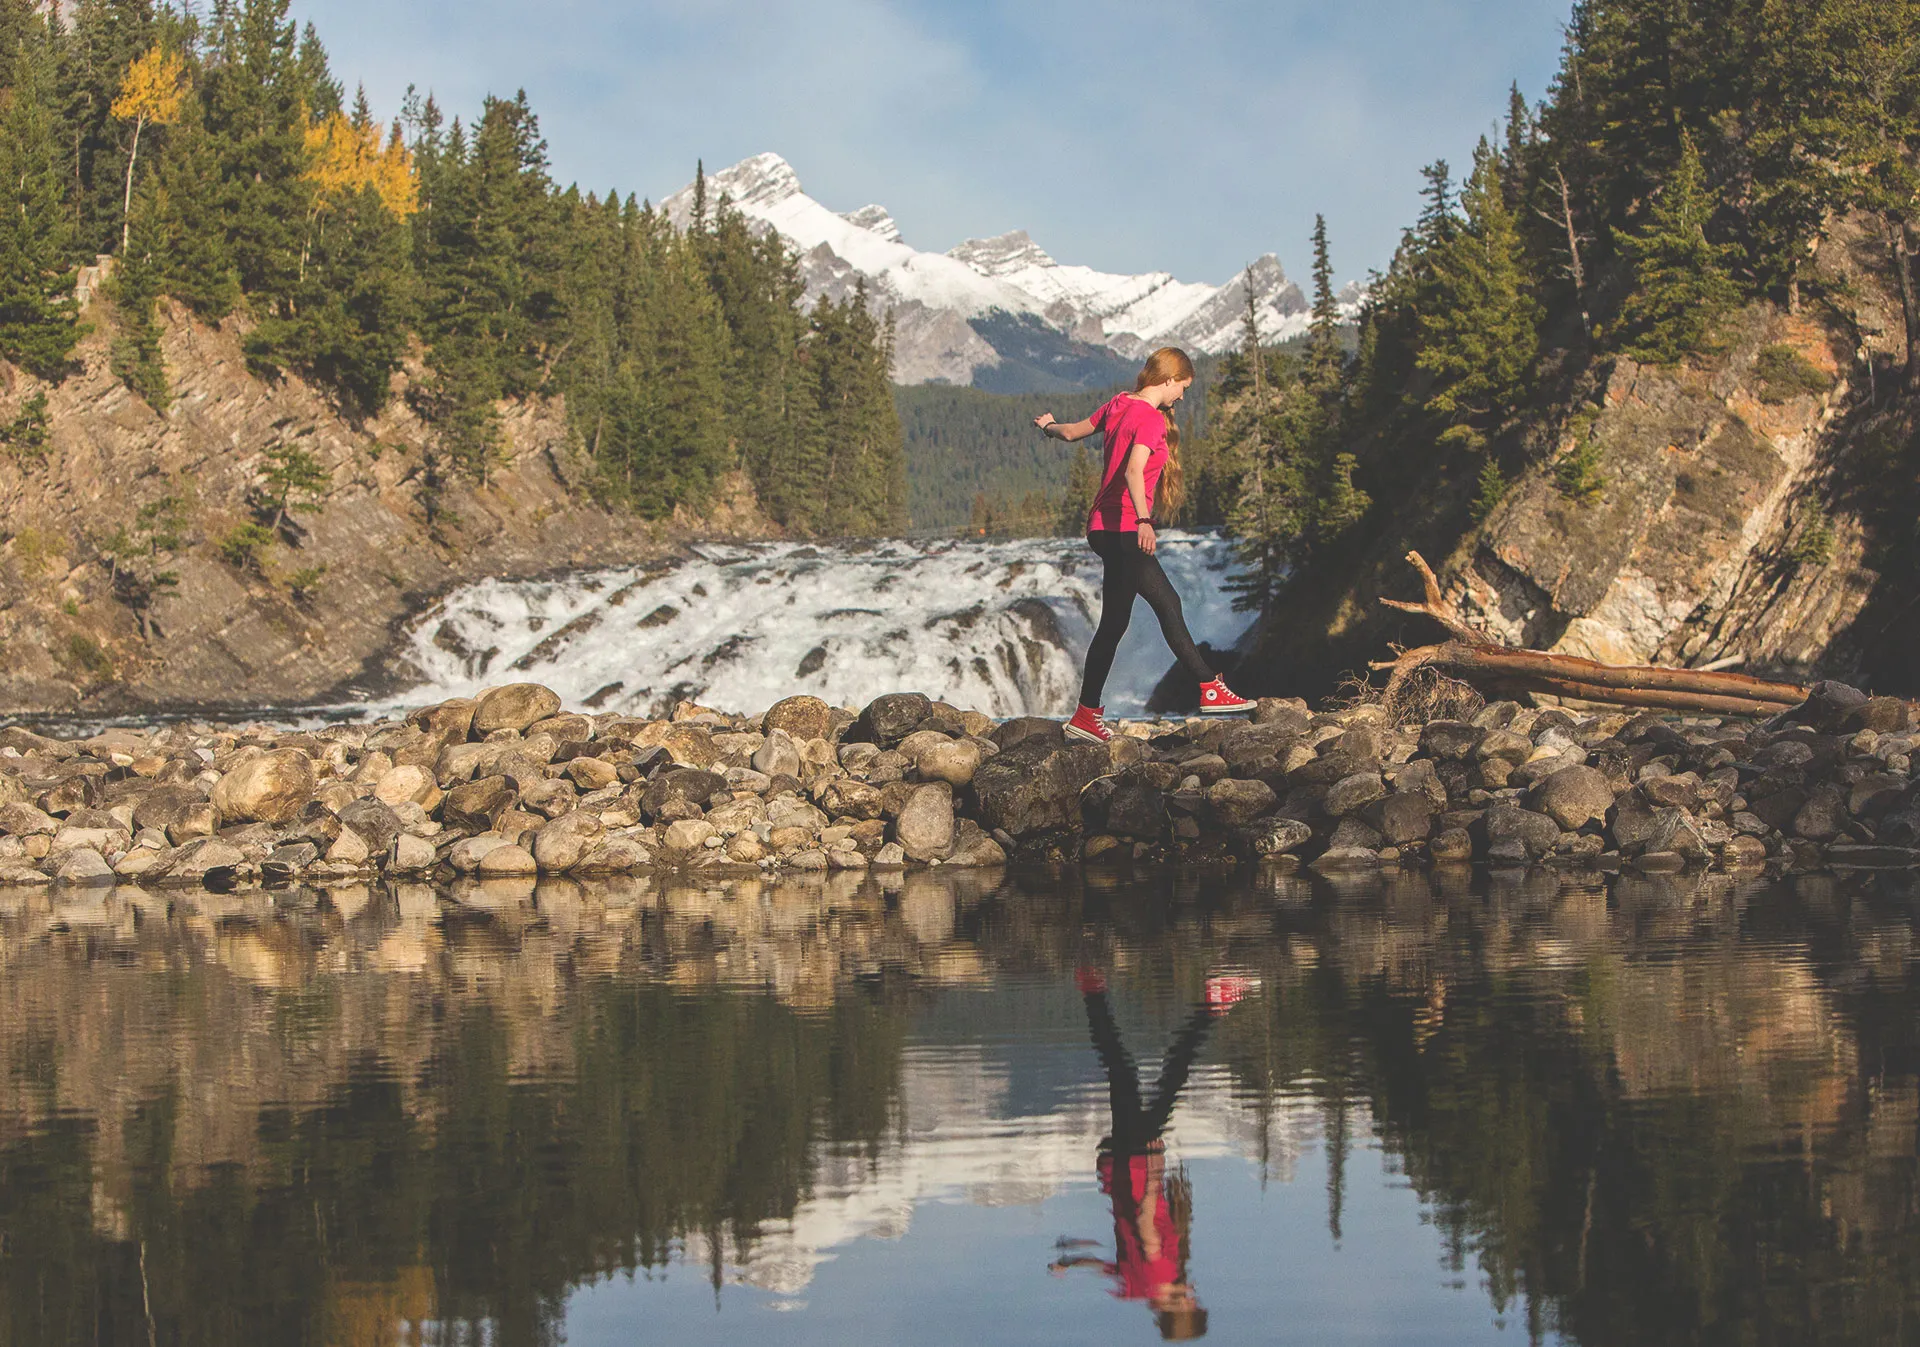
[(1474, 657)]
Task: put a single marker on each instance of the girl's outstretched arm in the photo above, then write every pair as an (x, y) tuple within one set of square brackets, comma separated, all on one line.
[(1063, 430)]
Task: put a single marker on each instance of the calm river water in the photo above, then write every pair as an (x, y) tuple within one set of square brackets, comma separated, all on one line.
[(1030, 1108)]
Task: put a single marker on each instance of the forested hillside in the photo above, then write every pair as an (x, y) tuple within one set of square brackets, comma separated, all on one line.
[(1713, 210), (217, 160)]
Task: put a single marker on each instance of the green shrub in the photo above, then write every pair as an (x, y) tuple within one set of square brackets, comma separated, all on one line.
[(1814, 546), (1781, 373), (1493, 489), (1578, 474), (244, 547), (304, 582), (87, 654), (26, 435)]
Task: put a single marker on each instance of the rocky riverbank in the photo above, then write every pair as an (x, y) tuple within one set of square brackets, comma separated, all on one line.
[(507, 785)]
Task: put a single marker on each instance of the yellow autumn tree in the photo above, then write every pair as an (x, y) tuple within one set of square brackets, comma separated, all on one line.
[(151, 94), (343, 159)]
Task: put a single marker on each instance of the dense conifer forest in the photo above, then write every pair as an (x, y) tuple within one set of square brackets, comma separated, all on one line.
[(1688, 159), (220, 163)]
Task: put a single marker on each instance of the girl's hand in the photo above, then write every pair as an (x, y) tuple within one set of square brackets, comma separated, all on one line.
[(1147, 540), (1043, 420)]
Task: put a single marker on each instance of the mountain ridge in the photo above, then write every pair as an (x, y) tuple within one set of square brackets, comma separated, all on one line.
[(951, 309)]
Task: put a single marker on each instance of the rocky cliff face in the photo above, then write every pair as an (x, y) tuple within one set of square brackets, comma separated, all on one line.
[(314, 620), (1714, 534)]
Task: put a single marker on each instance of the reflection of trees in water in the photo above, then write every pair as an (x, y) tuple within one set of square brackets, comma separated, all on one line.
[(1683, 1114), (466, 1141), (1679, 1112)]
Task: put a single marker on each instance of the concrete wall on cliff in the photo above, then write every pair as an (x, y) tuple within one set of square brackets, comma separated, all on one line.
[(230, 636)]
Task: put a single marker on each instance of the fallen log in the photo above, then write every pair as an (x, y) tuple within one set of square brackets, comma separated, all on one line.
[(1475, 658)]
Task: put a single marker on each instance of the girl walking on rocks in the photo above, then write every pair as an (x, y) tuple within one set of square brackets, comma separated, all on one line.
[(1142, 459)]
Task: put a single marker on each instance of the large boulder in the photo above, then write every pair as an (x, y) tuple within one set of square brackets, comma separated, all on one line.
[(84, 866), (450, 721), (800, 718), (474, 806), (780, 754), (687, 836), (1034, 786), (408, 783), (271, 788), (1450, 740), (1279, 836), (506, 862), (468, 852), (376, 823), (953, 761), (1236, 803), (1137, 810), (1022, 728), (25, 820), (1406, 816), (1350, 794), (682, 786), (1287, 713), (846, 798), (924, 828), (1823, 816), (1574, 797), (207, 859), (1828, 707), (163, 806), (1516, 835), (889, 719), (513, 707)]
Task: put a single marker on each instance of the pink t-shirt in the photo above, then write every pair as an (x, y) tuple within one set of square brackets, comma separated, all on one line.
[(1127, 421)]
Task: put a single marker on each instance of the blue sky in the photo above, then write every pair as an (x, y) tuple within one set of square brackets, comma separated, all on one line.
[(1124, 135)]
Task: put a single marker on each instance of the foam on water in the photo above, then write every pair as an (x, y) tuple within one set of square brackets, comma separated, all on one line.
[(1001, 626)]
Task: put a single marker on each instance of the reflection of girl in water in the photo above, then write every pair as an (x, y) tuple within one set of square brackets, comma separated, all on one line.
[(1152, 1209)]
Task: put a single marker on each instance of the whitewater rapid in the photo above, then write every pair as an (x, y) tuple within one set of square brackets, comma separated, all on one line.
[(998, 626)]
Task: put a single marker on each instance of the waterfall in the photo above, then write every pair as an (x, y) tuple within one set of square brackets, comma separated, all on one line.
[(1001, 626)]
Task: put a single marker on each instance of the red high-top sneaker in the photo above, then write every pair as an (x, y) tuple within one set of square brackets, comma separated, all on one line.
[(1224, 991), (1087, 724), (1216, 699)]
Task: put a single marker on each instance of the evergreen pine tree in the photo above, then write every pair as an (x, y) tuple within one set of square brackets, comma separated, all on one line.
[(37, 329), (1324, 358), (1479, 326), (253, 95), (1681, 287), (104, 38), (1514, 162), (1798, 142), (182, 221)]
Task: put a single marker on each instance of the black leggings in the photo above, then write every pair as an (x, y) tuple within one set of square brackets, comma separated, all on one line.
[(1137, 1124), (1132, 572)]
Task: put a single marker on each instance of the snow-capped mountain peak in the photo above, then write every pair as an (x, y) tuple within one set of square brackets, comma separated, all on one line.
[(997, 312), (1002, 255), (760, 182), (875, 220)]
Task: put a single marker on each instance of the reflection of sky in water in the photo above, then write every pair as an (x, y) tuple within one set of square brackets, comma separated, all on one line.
[(1263, 1265)]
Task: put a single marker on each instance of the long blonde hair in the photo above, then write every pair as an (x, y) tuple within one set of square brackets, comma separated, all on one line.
[(1167, 365)]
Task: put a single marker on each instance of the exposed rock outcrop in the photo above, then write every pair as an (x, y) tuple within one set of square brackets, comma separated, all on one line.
[(316, 614), (1712, 534)]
